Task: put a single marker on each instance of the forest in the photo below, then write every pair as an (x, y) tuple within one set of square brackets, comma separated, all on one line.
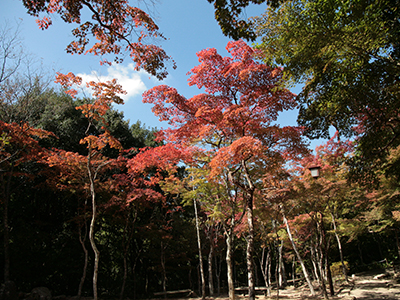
[(225, 199)]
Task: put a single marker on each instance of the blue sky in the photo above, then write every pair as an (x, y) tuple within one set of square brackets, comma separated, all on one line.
[(188, 25)]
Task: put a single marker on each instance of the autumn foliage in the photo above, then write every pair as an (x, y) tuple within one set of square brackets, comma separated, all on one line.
[(233, 123), (113, 25), (236, 114), (255, 202)]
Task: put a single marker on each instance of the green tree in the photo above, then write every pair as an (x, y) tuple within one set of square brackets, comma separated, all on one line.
[(146, 137), (229, 15), (219, 199), (346, 53)]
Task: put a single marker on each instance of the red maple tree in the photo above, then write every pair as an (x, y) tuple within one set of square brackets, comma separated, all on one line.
[(234, 121), (72, 164)]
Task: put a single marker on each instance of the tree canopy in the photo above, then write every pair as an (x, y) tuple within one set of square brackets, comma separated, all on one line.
[(229, 17), (235, 118), (346, 55), (115, 26)]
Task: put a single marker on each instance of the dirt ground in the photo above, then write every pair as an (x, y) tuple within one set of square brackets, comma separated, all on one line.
[(364, 286)]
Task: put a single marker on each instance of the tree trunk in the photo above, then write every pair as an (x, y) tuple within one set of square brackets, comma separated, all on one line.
[(249, 190), (125, 246), (269, 268), (203, 281), (86, 252), (314, 263), (218, 268), (360, 252), (134, 273), (326, 253), (96, 251), (250, 247), (294, 271), (164, 271), (229, 247), (329, 274), (229, 233), (276, 277), (210, 266), (321, 258), (265, 266), (344, 269), (281, 268), (92, 241), (92, 177), (303, 267)]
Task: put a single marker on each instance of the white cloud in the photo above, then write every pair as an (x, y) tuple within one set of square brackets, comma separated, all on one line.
[(126, 76)]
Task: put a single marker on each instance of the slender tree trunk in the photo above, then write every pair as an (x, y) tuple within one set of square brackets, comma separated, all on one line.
[(164, 271), (269, 272), (92, 241), (314, 261), (203, 281), (249, 190), (326, 253), (93, 222), (134, 272), (218, 268), (281, 271), (360, 252), (278, 269), (125, 246), (229, 265), (210, 265), (303, 267), (265, 266), (229, 233), (94, 247), (314, 264), (344, 269), (85, 264), (329, 274), (294, 271), (320, 262), (262, 263), (250, 247), (121, 294), (276, 277)]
